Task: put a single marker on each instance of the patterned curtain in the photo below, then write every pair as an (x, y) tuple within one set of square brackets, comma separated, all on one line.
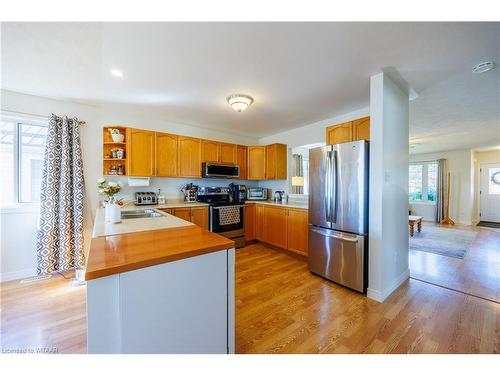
[(440, 190), (297, 171), (60, 233)]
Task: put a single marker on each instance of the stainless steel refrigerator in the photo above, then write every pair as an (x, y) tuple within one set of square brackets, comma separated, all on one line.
[(338, 213)]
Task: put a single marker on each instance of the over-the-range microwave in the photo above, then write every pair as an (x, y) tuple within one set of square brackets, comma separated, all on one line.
[(220, 170)]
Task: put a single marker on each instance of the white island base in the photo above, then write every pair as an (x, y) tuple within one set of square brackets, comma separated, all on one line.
[(184, 306)]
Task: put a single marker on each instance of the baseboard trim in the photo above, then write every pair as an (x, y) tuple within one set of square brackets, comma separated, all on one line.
[(380, 296), (15, 275)]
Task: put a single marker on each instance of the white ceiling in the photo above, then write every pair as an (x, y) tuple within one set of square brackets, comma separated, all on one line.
[(298, 73)]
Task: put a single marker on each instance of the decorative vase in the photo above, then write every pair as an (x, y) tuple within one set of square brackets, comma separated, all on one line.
[(117, 137), (112, 213)]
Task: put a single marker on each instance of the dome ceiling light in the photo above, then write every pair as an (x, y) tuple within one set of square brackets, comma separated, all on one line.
[(239, 102), (483, 67)]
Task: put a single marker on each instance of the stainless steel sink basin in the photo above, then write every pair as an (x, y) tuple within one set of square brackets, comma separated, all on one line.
[(139, 214)]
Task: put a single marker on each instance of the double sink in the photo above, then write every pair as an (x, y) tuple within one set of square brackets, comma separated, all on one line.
[(140, 214)]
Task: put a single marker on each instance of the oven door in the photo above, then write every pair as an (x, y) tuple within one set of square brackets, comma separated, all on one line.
[(226, 218)]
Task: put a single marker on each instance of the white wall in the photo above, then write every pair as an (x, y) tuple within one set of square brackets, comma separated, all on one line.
[(20, 256), (388, 195), (478, 157), (305, 135), (461, 195)]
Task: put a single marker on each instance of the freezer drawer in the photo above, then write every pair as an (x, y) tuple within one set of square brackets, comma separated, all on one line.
[(338, 256)]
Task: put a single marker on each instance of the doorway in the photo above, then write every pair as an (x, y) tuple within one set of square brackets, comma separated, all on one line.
[(489, 193)]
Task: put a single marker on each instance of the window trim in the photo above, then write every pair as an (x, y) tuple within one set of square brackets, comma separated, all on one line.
[(20, 119), (425, 182)]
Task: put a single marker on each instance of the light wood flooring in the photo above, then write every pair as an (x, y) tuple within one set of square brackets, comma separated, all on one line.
[(478, 273), (281, 308)]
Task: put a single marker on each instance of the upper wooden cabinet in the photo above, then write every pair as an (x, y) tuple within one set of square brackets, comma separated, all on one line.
[(228, 153), (140, 152), (339, 133), (166, 155), (241, 160), (189, 154), (256, 163), (361, 129), (276, 162), (349, 131), (210, 151)]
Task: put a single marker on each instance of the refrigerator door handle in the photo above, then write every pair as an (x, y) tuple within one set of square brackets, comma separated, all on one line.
[(333, 187), (336, 236), (328, 197)]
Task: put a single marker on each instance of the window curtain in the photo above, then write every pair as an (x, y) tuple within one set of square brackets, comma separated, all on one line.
[(60, 233), (440, 190), (297, 171)]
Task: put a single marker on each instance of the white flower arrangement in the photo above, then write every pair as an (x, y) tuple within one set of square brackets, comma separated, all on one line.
[(109, 189)]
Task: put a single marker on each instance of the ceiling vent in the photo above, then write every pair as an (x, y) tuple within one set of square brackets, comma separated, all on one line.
[(483, 67)]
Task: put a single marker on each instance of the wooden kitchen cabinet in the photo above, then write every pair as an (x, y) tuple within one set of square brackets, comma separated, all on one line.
[(228, 153), (256, 163), (340, 133), (276, 162), (189, 154), (140, 152), (361, 129), (166, 161), (199, 216), (196, 215), (169, 211), (241, 160), (297, 228), (249, 222), (259, 222), (183, 213), (275, 226), (210, 151)]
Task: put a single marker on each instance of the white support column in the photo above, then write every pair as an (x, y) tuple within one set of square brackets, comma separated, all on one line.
[(388, 236)]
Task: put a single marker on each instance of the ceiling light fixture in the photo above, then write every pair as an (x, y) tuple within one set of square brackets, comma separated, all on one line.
[(483, 67), (239, 102), (117, 73)]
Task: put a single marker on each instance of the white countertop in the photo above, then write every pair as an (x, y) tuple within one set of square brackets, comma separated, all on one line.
[(290, 204), (101, 228)]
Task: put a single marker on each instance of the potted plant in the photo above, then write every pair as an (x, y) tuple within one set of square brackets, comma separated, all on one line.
[(116, 135), (112, 211)]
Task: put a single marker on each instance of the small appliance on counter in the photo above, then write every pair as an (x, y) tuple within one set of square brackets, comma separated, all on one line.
[(238, 193), (278, 196), (145, 198), (161, 198), (257, 194), (189, 191)]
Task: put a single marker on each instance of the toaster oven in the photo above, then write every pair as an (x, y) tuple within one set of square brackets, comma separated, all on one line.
[(256, 194)]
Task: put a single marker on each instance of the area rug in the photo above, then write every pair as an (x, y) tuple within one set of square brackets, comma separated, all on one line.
[(443, 241)]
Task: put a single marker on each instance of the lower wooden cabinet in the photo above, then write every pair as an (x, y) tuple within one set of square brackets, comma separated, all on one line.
[(196, 215), (275, 226), (199, 216), (283, 227), (249, 222), (297, 230)]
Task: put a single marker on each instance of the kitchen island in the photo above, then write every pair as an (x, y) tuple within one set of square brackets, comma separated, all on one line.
[(167, 290)]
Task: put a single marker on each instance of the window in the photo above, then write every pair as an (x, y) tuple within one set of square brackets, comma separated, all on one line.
[(422, 186), (22, 148)]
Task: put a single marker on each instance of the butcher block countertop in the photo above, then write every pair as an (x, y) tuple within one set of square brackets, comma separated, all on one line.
[(114, 254)]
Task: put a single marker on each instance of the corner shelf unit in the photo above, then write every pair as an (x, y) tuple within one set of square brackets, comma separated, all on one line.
[(109, 163)]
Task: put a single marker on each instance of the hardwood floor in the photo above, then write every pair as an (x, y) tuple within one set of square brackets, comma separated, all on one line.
[(281, 308), (478, 273)]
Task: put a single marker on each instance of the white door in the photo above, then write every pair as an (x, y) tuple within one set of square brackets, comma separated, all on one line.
[(489, 198)]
